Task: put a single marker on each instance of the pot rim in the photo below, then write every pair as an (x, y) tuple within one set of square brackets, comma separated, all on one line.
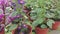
[(55, 19), (29, 27), (42, 28)]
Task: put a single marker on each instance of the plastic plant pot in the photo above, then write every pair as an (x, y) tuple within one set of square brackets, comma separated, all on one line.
[(2, 32), (56, 25), (29, 27), (41, 31)]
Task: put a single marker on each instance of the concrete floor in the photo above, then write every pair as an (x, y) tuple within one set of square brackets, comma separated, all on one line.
[(54, 32)]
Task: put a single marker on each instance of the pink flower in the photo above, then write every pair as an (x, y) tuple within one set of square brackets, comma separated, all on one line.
[(21, 1)]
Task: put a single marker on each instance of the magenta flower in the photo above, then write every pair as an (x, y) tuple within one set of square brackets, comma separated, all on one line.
[(19, 27), (5, 1), (21, 2), (24, 25)]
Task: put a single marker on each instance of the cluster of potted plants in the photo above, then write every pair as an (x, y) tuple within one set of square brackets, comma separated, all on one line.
[(22, 17)]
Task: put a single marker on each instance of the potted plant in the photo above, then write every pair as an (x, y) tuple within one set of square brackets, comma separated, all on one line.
[(17, 26), (3, 5), (42, 26), (53, 13), (17, 18), (57, 20), (23, 29), (41, 23)]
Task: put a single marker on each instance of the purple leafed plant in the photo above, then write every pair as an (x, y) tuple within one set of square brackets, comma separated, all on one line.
[(22, 29), (17, 19), (3, 4), (1, 17)]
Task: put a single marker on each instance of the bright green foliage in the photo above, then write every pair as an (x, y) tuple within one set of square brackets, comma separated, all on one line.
[(50, 22)]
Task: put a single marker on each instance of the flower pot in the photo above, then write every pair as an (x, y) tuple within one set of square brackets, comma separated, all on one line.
[(56, 25), (29, 27), (41, 31), (2, 32)]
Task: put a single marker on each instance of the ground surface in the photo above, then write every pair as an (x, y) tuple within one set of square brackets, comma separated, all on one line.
[(54, 32)]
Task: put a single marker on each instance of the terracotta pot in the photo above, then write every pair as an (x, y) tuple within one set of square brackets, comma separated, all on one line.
[(56, 25), (29, 27), (2, 32), (41, 31), (13, 31)]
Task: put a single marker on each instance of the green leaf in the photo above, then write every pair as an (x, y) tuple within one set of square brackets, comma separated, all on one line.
[(43, 26), (8, 9), (13, 26), (50, 22), (13, 14), (50, 15), (33, 33), (38, 21), (8, 25), (33, 15)]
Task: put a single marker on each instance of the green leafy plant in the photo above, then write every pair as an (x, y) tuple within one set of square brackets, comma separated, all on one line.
[(42, 21), (53, 11)]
